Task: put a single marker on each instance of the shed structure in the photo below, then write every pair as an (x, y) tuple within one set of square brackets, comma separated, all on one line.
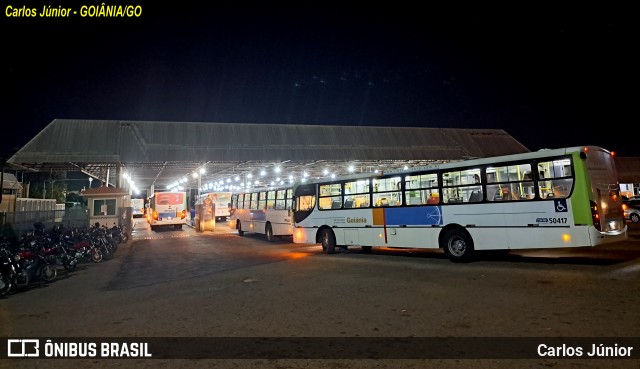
[(157, 154)]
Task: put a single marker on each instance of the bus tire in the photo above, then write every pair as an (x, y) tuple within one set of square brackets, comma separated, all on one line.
[(328, 241), (366, 249), (239, 228), (268, 232), (457, 245)]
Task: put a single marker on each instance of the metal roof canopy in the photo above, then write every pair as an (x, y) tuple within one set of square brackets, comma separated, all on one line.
[(161, 153)]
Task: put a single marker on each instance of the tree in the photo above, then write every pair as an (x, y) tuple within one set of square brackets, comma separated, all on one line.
[(74, 197)]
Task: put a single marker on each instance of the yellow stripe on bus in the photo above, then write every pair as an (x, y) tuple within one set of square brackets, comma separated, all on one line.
[(378, 217)]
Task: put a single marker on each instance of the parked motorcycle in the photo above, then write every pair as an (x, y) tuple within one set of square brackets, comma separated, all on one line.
[(54, 249), (37, 265), (82, 250), (120, 233), (12, 275), (102, 240), (59, 255), (32, 257)]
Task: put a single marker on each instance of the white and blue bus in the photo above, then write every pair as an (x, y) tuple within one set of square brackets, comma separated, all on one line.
[(167, 210), (265, 212), (547, 199)]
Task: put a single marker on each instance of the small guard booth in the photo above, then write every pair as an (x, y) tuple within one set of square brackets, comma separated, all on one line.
[(109, 206)]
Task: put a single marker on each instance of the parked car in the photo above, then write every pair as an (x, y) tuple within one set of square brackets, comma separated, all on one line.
[(631, 212), (633, 198)]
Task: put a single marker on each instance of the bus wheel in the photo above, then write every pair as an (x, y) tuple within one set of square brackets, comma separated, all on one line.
[(239, 228), (457, 245), (366, 249), (268, 232), (328, 240)]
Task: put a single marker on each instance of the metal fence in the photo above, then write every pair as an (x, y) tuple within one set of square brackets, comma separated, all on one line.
[(15, 224)]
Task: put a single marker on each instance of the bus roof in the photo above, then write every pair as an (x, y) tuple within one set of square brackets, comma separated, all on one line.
[(466, 163)]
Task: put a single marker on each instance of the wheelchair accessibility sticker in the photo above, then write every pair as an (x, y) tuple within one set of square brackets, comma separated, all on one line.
[(560, 205)]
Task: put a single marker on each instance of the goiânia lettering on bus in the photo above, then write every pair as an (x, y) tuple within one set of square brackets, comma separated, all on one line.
[(357, 220)]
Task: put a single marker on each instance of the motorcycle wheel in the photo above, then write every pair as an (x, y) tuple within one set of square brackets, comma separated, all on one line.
[(48, 272), (70, 263), (5, 284), (21, 279), (114, 246), (96, 256), (124, 237), (106, 253)]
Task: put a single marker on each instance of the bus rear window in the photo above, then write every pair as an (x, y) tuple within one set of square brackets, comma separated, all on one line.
[(169, 198)]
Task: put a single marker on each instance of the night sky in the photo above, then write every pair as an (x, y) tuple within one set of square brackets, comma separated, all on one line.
[(550, 77)]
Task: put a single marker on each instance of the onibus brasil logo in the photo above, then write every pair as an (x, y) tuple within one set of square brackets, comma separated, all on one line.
[(32, 348)]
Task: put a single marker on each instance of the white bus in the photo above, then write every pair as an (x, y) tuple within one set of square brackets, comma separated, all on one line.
[(547, 199), (222, 202), (138, 207), (167, 209), (266, 212)]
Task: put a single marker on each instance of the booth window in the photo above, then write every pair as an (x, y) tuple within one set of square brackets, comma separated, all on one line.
[(104, 207)]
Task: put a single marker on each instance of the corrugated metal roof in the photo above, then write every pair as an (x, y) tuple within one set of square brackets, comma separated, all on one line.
[(159, 151), (10, 182)]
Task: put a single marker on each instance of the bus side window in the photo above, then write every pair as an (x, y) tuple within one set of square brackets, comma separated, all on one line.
[(561, 188), (476, 196)]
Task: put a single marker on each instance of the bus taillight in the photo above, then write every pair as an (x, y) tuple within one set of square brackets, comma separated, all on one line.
[(595, 215), (155, 215), (183, 215)]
